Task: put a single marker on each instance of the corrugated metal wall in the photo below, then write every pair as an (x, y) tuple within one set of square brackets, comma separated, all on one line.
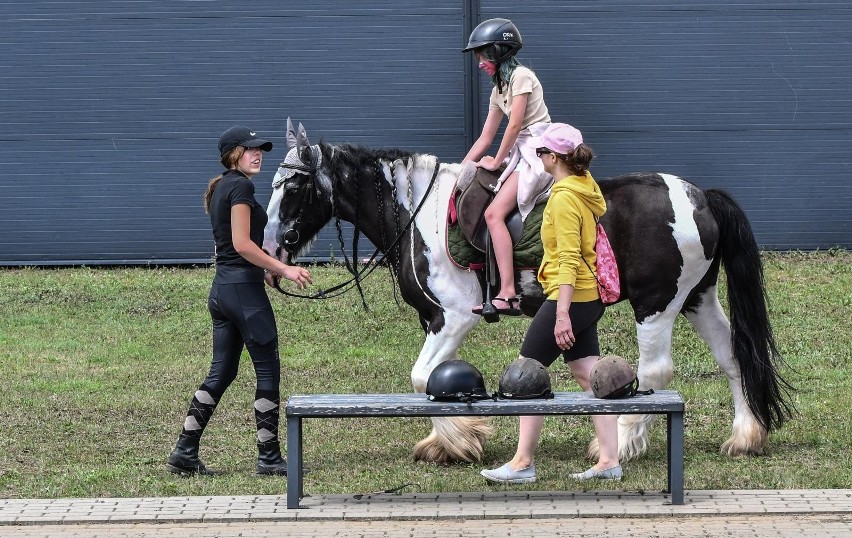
[(750, 96), (110, 110)]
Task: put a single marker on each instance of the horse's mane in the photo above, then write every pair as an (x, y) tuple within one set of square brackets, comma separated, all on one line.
[(359, 157)]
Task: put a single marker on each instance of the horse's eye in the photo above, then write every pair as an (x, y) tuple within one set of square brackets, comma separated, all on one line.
[(290, 191)]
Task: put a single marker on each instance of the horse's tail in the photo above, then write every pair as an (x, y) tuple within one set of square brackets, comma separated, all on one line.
[(753, 343)]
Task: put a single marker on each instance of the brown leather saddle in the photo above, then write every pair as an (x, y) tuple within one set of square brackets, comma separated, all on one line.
[(472, 199)]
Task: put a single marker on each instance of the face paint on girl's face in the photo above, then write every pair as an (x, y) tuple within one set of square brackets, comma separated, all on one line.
[(488, 67)]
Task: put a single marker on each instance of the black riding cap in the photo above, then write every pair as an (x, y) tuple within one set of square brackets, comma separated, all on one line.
[(499, 33), (241, 136)]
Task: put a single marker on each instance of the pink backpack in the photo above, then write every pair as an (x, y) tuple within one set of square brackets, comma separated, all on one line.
[(609, 283)]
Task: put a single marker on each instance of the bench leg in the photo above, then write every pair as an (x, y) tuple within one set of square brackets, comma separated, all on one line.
[(674, 434), (294, 461)]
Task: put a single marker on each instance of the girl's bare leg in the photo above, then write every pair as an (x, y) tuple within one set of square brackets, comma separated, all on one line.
[(504, 203)]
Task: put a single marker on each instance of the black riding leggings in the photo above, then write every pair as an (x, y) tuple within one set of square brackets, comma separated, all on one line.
[(242, 315)]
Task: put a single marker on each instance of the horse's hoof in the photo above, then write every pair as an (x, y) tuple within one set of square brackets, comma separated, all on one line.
[(736, 448), (454, 440)]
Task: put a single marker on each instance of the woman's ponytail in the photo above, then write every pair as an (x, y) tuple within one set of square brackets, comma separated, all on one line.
[(229, 161), (579, 159), (208, 194)]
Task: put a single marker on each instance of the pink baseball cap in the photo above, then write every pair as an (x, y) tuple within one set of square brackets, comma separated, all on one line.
[(560, 138)]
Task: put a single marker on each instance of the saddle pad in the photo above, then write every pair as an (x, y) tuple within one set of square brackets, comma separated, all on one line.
[(528, 251)]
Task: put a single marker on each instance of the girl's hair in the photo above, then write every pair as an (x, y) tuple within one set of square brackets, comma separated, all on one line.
[(229, 161), (504, 70), (577, 160), (504, 73)]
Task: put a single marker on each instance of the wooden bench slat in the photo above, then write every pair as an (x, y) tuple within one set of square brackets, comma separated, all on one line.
[(418, 405)]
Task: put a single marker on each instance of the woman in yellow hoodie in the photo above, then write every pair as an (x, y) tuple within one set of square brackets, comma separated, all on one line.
[(566, 324)]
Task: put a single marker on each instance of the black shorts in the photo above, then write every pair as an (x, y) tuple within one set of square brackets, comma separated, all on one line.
[(540, 342)]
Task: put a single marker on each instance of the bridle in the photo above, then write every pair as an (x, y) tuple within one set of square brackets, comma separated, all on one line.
[(291, 236)]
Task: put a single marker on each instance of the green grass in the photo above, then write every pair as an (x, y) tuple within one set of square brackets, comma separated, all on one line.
[(98, 366)]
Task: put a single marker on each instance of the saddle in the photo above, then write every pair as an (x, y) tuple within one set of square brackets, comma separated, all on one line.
[(475, 190)]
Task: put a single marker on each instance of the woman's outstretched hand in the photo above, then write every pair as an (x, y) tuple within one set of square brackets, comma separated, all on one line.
[(299, 275)]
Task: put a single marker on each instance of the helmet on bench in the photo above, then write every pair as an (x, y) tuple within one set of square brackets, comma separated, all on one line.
[(613, 377), (456, 380), (525, 379)]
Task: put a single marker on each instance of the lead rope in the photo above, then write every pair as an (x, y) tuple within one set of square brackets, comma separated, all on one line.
[(380, 205), (372, 263)]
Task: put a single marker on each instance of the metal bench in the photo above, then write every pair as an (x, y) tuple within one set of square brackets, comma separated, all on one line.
[(662, 402)]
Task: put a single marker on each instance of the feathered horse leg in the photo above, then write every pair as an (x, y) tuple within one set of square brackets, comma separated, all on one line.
[(655, 371), (453, 439), (748, 437), (748, 354)]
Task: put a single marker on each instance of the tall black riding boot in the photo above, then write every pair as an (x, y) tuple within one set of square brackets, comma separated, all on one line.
[(269, 459), (184, 458), (266, 409)]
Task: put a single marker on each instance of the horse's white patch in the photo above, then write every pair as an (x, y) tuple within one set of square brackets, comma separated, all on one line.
[(457, 290), (270, 241), (654, 332), (685, 233)]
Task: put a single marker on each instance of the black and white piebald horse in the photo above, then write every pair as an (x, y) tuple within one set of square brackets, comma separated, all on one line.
[(669, 237)]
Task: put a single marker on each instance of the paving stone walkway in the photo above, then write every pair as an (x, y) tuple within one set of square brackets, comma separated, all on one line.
[(784, 513)]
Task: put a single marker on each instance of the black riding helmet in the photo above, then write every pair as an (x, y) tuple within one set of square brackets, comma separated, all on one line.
[(456, 380), (499, 34)]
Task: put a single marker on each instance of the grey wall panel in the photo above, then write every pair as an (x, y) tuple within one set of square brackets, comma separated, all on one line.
[(111, 110), (752, 97)]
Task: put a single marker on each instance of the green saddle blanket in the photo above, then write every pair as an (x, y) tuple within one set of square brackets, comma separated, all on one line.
[(528, 251)]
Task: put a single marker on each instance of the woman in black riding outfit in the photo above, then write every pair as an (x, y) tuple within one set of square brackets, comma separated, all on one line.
[(241, 311)]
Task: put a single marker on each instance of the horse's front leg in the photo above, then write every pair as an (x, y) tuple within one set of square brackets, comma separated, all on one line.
[(656, 369), (748, 437), (452, 439)]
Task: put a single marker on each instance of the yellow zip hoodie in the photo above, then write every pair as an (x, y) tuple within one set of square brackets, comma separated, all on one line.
[(567, 233)]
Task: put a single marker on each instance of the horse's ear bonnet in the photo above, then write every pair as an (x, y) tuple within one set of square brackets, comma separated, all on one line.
[(300, 156), (291, 134), (613, 377), (525, 379), (456, 380), (297, 138), (500, 34)]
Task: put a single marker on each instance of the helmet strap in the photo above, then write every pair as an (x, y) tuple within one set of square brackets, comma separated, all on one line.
[(634, 389)]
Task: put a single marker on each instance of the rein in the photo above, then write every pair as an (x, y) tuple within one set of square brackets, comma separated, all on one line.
[(358, 276)]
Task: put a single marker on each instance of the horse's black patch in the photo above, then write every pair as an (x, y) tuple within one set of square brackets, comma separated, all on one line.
[(639, 229)]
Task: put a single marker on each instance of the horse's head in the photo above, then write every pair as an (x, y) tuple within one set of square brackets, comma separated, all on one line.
[(301, 202)]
